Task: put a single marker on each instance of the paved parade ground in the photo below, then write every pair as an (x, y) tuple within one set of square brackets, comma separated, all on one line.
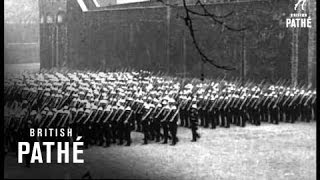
[(285, 151)]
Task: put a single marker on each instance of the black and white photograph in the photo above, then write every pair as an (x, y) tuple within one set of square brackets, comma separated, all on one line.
[(160, 89)]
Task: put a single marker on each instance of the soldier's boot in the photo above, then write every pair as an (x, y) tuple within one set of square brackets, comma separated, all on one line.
[(276, 121), (139, 126), (145, 138), (197, 135), (227, 123), (258, 123), (213, 124), (174, 138), (100, 141), (114, 140), (201, 121), (222, 121), (243, 124), (182, 121), (161, 136), (120, 141), (152, 135), (158, 138), (309, 116), (187, 124), (165, 138), (280, 117), (128, 139), (194, 135), (174, 141), (165, 141), (107, 143), (158, 135)]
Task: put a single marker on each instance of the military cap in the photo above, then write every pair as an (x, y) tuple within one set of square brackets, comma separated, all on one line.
[(128, 108), (89, 95), (121, 107), (49, 113), (94, 107), (88, 106), (33, 112), (164, 102), (103, 101), (151, 105)]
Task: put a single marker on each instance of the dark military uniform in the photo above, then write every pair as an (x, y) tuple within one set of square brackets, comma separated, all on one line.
[(173, 124), (194, 122)]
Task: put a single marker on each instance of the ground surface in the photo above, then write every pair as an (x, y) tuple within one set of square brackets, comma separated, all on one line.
[(285, 151)]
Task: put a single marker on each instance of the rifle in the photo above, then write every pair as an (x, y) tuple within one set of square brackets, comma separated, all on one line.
[(305, 103), (162, 109), (175, 114), (22, 119), (114, 115), (122, 113), (228, 102), (126, 121), (63, 120), (164, 119), (85, 121), (44, 121), (53, 118), (147, 114), (107, 118), (214, 103), (79, 120), (100, 116)]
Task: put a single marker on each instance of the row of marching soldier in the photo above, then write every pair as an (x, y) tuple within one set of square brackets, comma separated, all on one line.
[(105, 107)]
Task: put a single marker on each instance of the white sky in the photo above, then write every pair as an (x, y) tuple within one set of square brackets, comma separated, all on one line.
[(129, 1)]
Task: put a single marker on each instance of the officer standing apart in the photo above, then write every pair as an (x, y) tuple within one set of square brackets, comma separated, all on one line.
[(194, 122)]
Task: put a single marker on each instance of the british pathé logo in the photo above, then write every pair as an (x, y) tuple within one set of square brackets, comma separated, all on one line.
[(299, 19), (302, 3)]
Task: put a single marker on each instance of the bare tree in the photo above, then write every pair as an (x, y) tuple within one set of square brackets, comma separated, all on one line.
[(206, 13)]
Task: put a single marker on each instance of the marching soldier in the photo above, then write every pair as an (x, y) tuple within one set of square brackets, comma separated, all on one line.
[(173, 123)]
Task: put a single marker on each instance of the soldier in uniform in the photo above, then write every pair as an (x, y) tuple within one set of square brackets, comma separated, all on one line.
[(173, 123), (194, 122), (128, 120), (145, 122), (157, 123), (163, 115)]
